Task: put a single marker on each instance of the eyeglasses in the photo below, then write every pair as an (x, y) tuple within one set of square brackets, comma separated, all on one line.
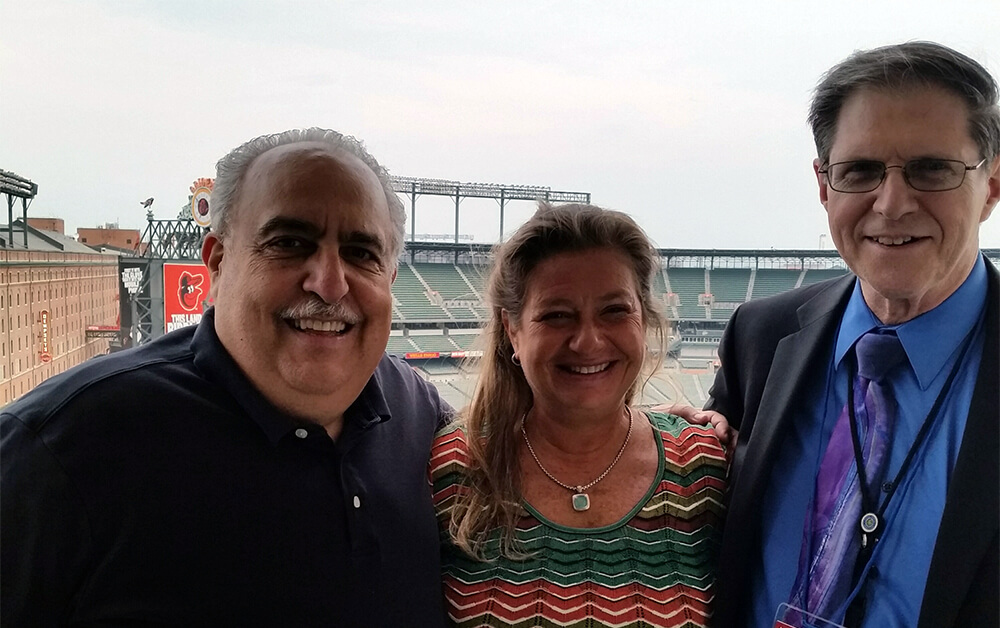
[(925, 175)]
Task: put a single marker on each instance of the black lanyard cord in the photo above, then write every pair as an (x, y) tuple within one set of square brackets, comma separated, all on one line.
[(868, 501)]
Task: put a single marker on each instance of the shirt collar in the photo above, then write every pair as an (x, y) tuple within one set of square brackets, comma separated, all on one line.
[(218, 367), (929, 339)]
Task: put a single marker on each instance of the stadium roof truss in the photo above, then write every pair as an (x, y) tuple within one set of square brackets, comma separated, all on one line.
[(751, 258), (15, 186), (413, 187)]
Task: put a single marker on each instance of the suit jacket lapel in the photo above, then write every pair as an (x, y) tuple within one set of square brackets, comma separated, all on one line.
[(970, 522)]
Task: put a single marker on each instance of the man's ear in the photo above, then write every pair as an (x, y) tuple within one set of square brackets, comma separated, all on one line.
[(212, 251), (993, 185), (821, 180)]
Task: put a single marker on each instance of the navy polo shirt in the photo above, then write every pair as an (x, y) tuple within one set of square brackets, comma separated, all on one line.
[(156, 486)]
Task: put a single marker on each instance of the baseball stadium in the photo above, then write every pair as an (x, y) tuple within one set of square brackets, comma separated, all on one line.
[(439, 300)]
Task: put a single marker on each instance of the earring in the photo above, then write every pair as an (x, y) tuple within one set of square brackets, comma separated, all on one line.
[(515, 360)]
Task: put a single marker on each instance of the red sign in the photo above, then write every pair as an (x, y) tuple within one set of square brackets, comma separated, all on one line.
[(185, 294), (425, 355), (43, 353)]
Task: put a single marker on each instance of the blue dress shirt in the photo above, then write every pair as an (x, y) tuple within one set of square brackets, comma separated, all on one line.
[(933, 342)]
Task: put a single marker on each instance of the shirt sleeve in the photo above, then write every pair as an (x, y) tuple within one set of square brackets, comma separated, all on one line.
[(44, 531)]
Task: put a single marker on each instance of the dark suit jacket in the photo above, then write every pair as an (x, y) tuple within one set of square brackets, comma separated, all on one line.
[(770, 353)]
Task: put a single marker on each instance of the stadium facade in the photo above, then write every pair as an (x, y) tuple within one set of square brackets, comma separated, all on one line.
[(58, 305)]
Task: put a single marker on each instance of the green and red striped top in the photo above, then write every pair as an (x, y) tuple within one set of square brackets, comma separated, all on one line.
[(653, 568)]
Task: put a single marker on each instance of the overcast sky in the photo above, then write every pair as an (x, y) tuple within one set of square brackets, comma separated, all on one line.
[(688, 115)]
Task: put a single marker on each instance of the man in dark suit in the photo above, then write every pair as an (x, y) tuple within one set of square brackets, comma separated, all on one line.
[(908, 138)]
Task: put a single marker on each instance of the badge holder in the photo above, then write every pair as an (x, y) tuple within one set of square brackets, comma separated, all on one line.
[(789, 616)]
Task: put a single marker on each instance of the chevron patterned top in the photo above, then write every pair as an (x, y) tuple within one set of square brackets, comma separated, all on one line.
[(653, 568)]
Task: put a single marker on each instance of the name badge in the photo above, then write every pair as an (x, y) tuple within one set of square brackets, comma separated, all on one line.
[(789, 616)]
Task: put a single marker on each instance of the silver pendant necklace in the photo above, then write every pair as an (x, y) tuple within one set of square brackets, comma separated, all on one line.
[(580, 500)]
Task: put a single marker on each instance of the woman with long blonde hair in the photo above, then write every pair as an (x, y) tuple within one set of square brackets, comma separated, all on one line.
[(559, 501)]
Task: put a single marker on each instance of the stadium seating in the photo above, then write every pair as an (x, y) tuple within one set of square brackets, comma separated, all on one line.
[(400, 345), (430, 295), (465, 341), (688, 284), (412, 299), (476, 276), (441, 292), (451, 285), (660, 290), (440, 366), (435, 342), (728, 285), (771, 281), (816, 275)]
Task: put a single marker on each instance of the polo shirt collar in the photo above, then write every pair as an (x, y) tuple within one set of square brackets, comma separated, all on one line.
[(218, 367), (929, 339), (370, 407)]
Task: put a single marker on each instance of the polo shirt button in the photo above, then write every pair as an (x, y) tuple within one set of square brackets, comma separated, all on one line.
[(301, 433), (357, 502)]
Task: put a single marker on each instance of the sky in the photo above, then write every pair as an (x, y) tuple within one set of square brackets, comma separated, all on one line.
[(690, 116)]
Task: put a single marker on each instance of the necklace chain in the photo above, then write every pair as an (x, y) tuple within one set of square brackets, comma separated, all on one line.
[(578, 489)]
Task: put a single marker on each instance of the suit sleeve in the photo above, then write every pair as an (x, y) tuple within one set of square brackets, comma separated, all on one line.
[(725, 397), (44, 532)]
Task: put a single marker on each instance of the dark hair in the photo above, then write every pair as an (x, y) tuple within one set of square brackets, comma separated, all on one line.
[(502, 395), (902, 66)]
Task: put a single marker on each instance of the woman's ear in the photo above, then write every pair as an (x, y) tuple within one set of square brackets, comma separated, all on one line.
[(509, 329)]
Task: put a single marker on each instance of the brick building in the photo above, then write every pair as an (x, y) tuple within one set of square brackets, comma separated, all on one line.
[(50, 292), (109, 234)]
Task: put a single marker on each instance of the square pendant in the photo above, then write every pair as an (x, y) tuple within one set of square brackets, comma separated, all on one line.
[(581, 502)]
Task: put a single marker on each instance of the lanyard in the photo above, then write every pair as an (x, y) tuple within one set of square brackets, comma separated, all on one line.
[(872, 522)]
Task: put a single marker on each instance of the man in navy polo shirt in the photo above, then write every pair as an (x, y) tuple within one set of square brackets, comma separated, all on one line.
[(265, 468)]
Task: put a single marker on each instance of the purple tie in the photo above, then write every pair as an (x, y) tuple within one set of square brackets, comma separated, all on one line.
[(834, 525)]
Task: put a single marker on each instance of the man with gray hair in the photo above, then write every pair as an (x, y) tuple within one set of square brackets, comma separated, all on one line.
[(865, 488), (265, 468)]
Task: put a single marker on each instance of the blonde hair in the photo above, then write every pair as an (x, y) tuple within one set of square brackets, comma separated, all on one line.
[(502, 396)]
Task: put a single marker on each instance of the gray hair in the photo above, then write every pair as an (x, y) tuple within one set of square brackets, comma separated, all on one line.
[(903, 66), (231, 170)]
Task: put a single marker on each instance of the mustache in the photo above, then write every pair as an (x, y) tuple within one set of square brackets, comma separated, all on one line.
[(316, 308)]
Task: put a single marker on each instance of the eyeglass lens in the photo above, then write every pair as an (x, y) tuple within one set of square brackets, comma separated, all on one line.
[(928, 175)]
